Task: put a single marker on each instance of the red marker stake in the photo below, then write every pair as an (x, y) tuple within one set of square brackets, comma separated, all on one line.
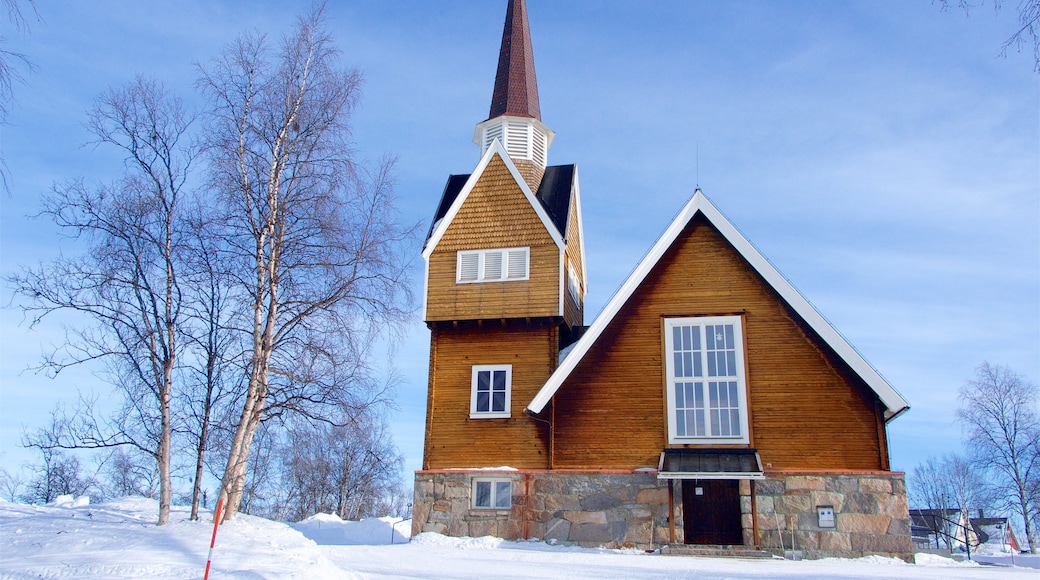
[(213, 540)]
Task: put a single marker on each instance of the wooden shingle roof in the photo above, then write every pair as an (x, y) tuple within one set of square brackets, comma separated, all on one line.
[(554, 194)]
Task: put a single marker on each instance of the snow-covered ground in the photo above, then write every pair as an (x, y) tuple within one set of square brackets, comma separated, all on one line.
[(119, 539)]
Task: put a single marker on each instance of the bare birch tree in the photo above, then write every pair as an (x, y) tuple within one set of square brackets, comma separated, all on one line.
[(213, 371), (314, 239), (1001, 425), (125, 284)]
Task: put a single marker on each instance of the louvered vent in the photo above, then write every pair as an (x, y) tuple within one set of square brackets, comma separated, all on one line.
[(490, 134), (469, 266), (493, 265), (523, 139), (538, 147), (518, 140), (517, 268), (496, 265)]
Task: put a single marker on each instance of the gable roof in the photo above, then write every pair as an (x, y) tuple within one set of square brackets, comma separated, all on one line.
[(894, 403), (554, 194), (516, 88), (459, 187)]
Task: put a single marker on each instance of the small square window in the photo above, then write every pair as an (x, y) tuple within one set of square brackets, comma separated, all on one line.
[(496, 494), (491, 390)]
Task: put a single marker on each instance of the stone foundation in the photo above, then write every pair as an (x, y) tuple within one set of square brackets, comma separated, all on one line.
[(871, 515), (616, 510), (626, 509)]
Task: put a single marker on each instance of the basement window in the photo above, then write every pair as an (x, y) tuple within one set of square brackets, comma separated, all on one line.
[(498, 265), (492, 494), (491, 391), (707, 398)]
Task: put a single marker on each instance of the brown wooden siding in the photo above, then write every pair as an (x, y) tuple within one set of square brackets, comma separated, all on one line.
[(452, 438), (495, 215), (807, 409)]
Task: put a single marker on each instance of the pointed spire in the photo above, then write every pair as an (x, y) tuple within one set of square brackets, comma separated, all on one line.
[(516, 89)]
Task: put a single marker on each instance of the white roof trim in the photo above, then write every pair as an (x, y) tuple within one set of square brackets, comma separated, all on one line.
[(495, 149), (895, 404)]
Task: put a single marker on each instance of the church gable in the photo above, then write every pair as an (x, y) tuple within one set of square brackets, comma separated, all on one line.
[(892, 403), (794, 395), (496, 252), (496, 213)]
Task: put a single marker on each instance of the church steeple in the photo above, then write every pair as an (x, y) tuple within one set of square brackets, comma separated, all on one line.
[(516, 87), (515, 116)]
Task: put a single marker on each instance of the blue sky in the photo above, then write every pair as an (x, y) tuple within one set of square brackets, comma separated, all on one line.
[(877, 152)]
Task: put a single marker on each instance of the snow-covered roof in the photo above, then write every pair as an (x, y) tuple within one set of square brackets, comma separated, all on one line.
[(894, 403)]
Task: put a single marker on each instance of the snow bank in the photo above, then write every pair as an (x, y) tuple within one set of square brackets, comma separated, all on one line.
[(330, 530), (925, 559), (119, 539), (70, 501)]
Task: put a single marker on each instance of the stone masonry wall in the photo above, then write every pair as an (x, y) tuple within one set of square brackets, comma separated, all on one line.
[(588, 509), (624, 509), (871, 515)]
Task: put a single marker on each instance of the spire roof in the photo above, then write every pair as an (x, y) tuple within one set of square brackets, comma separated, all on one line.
[(516, 89)]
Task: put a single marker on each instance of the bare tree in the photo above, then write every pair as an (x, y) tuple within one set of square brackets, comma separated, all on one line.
[(214, 349), (1027, 33), (352, 470), (129, 472), (948, 489), (126, 283), (11, 62), (314, 239), (59, 472), (1001, 425), (11, 485)]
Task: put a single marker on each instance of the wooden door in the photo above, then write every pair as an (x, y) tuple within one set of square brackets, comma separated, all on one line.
[(711, 512)]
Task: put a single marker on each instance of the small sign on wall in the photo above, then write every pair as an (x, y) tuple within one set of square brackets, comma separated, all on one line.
[(825, 516)]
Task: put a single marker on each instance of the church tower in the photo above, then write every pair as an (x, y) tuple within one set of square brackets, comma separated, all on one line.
[(504, 280)]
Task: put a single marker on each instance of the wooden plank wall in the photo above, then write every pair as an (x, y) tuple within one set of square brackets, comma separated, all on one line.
[(453, 440), (807, 410), (495, 215)]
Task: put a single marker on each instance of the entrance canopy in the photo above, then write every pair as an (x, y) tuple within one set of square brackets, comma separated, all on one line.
[(710, 464)]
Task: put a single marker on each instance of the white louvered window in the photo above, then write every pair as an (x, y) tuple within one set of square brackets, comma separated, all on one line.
[(498, 265)]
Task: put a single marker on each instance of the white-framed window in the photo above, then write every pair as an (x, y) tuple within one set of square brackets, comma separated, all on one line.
[(491, 391), (704, 364), (573, 283), (498, 265), (492, 494)]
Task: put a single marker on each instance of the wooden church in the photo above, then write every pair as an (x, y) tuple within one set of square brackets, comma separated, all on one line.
[(709, 407)]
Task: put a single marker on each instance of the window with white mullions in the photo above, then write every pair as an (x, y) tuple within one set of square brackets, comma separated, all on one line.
[(498, 265), (705, 369), (491, 390)]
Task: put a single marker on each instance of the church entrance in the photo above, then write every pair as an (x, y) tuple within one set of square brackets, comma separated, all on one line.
[(711, 512)]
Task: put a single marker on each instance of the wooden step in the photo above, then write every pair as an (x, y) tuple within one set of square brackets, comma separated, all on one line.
[(714, 551)]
